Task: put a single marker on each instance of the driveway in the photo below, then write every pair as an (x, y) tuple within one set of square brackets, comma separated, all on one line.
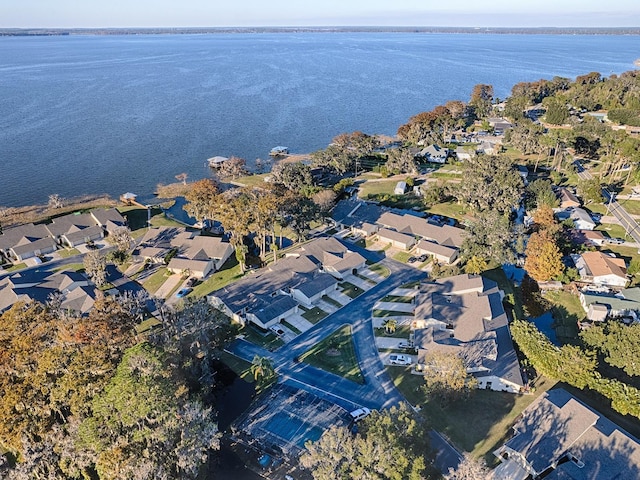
[(378, 391), (169, 284)]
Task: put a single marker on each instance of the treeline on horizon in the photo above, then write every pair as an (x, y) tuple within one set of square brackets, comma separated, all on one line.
[(324, 29)]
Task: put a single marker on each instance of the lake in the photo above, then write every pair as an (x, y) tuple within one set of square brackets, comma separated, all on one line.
[(111, 114)]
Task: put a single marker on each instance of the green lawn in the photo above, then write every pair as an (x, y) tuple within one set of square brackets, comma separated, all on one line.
[(378, 313), (448, 209), (567, 311), (381, 187), (155, 281), (402, 331), (314, 315), (68, 252), (270, 340), (366, 279), (512, 294), (241, 367), (331, 301), (397, 299), (291, 327), (72, 267), (631, 206), (351, 290), (613, 230), (336, 354), (16, 266), (147, 325), (251, 180), (478, 425), (137, 219), (402, 257), (380, 270), (229, 272)]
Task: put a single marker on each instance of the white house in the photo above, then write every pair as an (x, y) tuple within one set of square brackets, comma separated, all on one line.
[(442, 253), (601, 269), (435, 154), (582, 220)]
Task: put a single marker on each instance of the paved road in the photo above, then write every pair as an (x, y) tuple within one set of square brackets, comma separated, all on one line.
[(378, 390), (627, 221)]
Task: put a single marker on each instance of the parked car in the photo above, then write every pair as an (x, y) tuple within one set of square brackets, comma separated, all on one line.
[(406, 345), (359, 414), (184, 292), (192, 281), (615, 241), (395, 359), (423, 257), (412, 259)]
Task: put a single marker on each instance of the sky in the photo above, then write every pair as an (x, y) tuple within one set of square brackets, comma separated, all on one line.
[(245, 13)]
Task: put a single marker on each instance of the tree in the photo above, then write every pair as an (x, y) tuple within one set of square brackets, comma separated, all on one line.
[(325, 201), (539, 193), (491, 183), (557, 111), (55, 201), (202, 198), (390, 325), (469, 469), (401, 160), (446, 377), (545, 219), (590, 190), (95, 266), (263, 372), (481, 99), (390, 445), (476, 265), (544, 260), (619, 343), (294, 175), (526, 137), (491, 237), (233, 167)]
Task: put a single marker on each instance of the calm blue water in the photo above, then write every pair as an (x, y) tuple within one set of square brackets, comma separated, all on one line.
[(90, 114)]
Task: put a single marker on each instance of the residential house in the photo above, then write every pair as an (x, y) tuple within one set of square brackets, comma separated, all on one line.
[(192, 254), (582, 220), (435, 154), (358, 216), (464, 153), (499, 125), (590, 238), (600, 306), (396, 239), (75, 291), (486, 148), (332, 257), (26, 241), (558, 437), (417, 226), (442, 253), (464, 316), (567, 198), (601, 269), (401, 188), (75, 229), (303, 276), (109, 219)]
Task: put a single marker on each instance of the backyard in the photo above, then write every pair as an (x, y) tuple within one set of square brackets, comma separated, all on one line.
[(478, 425)]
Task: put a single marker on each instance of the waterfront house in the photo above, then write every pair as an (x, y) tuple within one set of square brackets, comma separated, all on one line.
[(435, 154), (75, 229), (590, 238), (26, 241), (559, 437)]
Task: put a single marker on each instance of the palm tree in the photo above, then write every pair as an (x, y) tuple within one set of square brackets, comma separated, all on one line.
[(390, 325), (262, 369)]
